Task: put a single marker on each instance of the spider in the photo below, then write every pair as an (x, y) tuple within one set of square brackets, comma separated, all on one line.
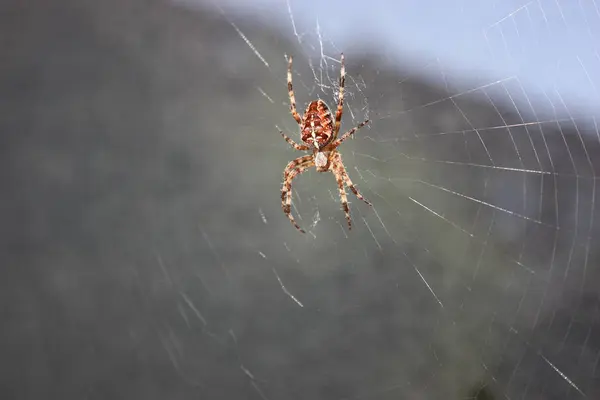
[(319, 134)]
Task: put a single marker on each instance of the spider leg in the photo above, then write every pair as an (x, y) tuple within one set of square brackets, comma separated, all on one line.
[(347, 179), (340, 107), (291, 93), (294, 144), (294, 168), (346, 135), (294, 163), (339, 178)]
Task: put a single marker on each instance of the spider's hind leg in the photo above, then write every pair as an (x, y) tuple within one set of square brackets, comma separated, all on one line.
[(291, 93), (340, 106), (349, 133), (294, 144)]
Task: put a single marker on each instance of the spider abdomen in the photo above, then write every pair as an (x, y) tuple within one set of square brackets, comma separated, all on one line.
[(317, 124)]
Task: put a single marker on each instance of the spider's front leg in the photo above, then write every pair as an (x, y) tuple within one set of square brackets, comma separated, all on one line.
[(340, 182), (353, 188), (293, 169), (294, 144), (341, 176)]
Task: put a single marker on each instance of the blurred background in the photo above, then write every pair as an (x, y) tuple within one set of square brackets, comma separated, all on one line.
[(146, 255)]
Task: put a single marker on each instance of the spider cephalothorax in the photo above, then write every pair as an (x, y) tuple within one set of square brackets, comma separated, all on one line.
[(318, 131)]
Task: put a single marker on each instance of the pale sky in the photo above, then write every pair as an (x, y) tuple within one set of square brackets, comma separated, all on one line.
[(549, 45)]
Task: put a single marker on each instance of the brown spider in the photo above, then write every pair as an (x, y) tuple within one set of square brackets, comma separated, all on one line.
[(320, 135)]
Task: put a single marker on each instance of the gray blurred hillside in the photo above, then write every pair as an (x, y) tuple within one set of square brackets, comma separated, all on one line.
[(138, 157)]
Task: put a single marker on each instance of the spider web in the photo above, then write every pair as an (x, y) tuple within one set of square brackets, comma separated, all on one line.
[(474, 274)]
